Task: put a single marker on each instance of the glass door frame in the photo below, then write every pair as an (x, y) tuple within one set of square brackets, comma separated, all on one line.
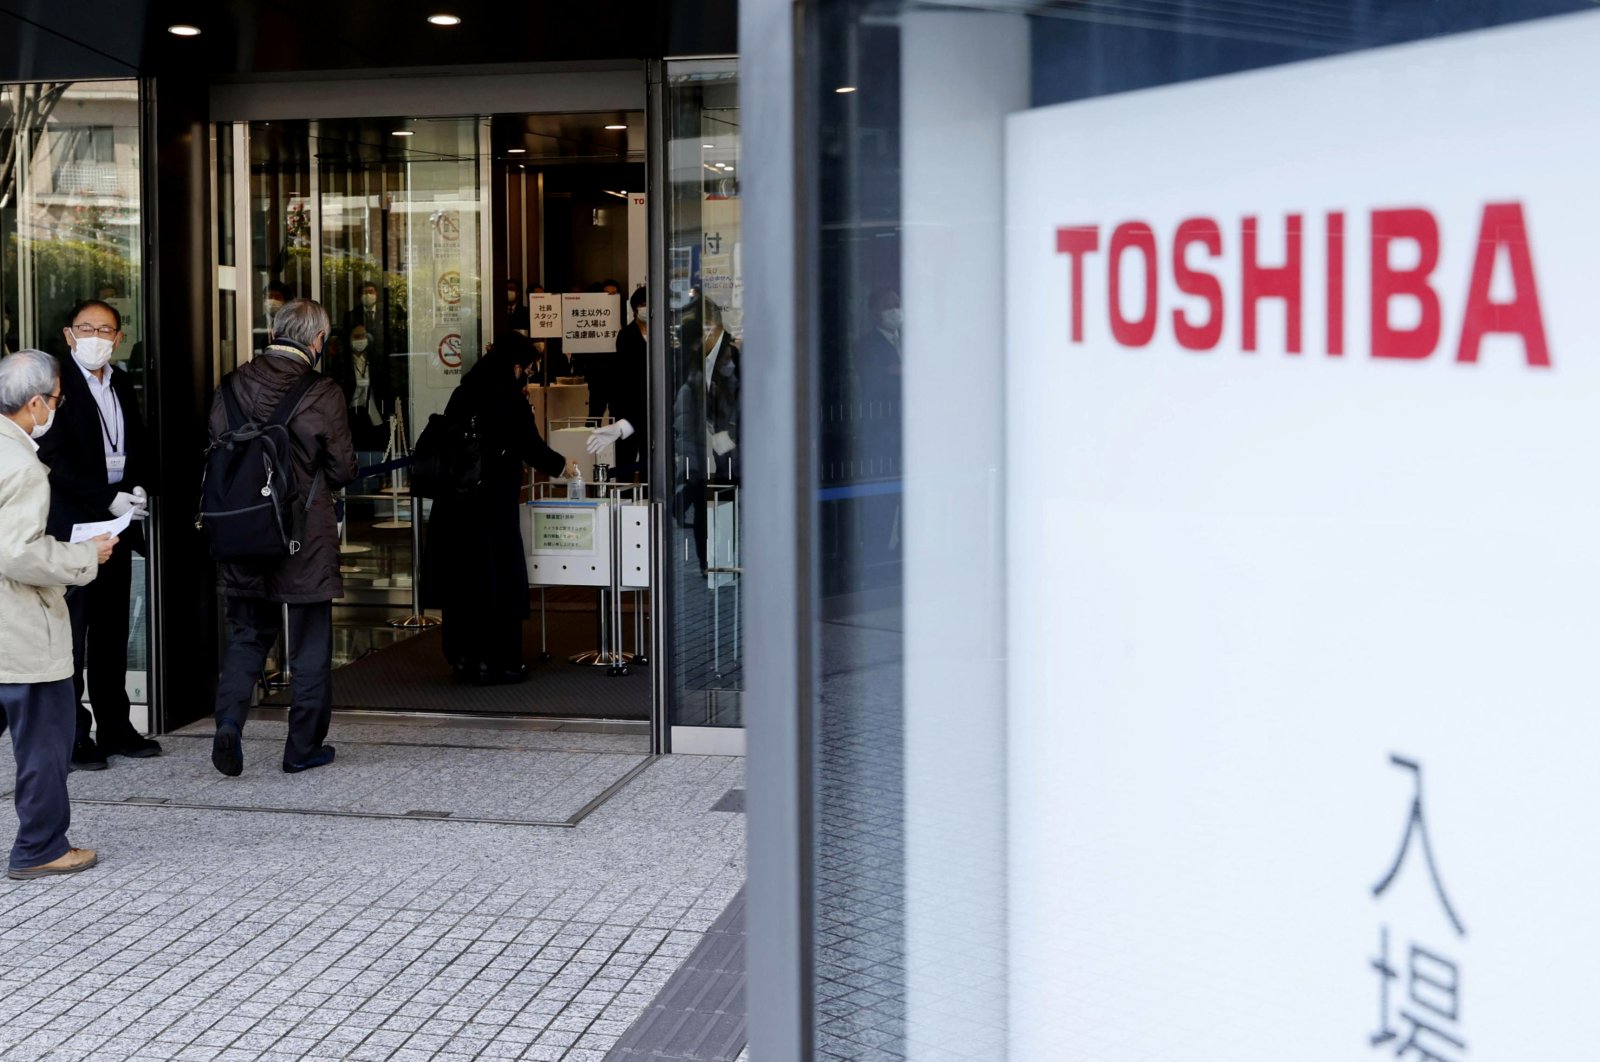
[(606, 88)]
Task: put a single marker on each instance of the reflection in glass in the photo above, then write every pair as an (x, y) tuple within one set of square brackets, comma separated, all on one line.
[(70, 228), (705, 298)]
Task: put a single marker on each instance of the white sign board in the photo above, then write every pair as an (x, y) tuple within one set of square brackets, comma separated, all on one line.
[(1302, 524), (544, 316), (590, 323), (568, 543)]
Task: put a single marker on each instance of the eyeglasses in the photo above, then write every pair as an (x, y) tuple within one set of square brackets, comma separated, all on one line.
[(90, 330), (56, 400)]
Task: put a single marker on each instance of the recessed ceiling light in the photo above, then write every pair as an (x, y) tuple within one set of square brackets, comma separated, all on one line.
[(403, 132), (183, 29), (708, 145), (444, 20), (616, 128), (516, 151), (843, 89)]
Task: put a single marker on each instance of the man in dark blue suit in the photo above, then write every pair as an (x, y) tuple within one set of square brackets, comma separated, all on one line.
[(98, 466)]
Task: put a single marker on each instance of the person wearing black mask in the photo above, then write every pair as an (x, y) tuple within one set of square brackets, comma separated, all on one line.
[(298, 589), (473, 565)]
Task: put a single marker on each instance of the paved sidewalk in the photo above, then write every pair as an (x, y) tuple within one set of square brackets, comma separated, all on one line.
[(221, 934)]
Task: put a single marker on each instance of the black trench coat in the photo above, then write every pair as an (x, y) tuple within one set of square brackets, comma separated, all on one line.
[(473, 556)]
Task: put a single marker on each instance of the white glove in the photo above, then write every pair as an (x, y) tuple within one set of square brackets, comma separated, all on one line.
[(141, 508), (722, 443), (601, 438), (125, 503)]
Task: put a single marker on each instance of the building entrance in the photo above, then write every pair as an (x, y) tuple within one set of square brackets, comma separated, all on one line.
[(430, 242)]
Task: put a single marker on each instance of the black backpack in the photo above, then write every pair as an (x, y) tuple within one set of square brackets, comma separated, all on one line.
[(448, 458), (248, 490)]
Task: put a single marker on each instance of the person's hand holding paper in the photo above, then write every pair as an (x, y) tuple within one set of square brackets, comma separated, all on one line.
[(103, 528)]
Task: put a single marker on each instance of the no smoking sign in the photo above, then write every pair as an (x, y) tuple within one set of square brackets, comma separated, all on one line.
[(450, 351)]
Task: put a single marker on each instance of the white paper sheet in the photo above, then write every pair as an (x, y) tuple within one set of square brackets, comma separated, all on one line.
[(84, 532)]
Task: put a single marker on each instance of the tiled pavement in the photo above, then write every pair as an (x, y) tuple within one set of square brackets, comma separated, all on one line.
[(210, 934), (860, 852)]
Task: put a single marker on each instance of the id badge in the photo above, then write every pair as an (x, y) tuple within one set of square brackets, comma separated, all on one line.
[(116, 464)]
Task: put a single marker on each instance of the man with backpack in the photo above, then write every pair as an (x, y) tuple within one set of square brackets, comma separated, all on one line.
[(280, 448)]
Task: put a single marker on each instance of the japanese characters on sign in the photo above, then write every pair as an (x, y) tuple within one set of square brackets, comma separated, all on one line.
[(563, 530), (544, 316), (1422, 1021), (590, 323)]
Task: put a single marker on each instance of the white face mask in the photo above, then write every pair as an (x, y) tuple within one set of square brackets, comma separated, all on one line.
[(893, 318), (92, 352), (358, 345), (511, 296), (49, 421), (272, 306), (369, 300)]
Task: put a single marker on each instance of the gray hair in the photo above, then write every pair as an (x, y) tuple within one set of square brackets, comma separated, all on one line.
[(24, 375), (300, 320)]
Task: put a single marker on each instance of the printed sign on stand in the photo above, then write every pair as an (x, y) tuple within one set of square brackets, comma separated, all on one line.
[(544, 316), (568, 543), (590, 323)]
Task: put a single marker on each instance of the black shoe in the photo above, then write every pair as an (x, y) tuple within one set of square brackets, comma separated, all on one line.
[(464, 672), (320, 758), (501, 676), (86, 756), (226, 755), (133, 745)]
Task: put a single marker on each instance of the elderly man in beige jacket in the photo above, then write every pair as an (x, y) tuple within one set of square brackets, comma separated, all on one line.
[(36, 697)]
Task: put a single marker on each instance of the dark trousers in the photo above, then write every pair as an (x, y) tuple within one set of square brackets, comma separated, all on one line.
[(40, 717), (253, 627), (99, 614)]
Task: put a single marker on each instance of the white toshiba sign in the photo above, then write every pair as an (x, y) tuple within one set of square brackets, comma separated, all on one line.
[(1303, 373)]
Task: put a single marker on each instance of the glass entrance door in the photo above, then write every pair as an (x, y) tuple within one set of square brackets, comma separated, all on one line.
[(71, 229), (703, 292), (430, 241)]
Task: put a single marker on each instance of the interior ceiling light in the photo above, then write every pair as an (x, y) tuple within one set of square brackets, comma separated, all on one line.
[(403, 132), (616, 128), (516, 151), (843, 89), (183, 29), (708, 145), (444, 20)]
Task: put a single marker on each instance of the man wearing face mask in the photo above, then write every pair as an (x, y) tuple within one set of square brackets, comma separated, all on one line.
[(99, 464), (36, 668), (301, 587), (516, 309)]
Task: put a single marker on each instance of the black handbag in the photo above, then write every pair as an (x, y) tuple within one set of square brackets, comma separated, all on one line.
[(447, 461)]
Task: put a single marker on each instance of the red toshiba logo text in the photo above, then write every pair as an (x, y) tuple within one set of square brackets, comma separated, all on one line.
[(1502, 230)]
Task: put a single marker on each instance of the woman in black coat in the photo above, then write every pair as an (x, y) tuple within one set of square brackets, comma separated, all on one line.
[(473, 565)]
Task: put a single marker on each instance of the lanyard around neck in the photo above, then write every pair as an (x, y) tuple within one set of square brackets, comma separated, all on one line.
[(114, 436)]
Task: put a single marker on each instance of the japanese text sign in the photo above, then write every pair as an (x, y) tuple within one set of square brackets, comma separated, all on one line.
[(590, 323)]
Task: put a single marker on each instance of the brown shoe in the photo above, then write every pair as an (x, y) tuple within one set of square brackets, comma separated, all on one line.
[(75, 860)]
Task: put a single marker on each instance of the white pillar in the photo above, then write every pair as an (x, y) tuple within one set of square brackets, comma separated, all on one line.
[(961, 74)]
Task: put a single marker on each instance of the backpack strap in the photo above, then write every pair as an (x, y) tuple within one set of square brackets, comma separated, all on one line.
[(289, 404), (230, 403)]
